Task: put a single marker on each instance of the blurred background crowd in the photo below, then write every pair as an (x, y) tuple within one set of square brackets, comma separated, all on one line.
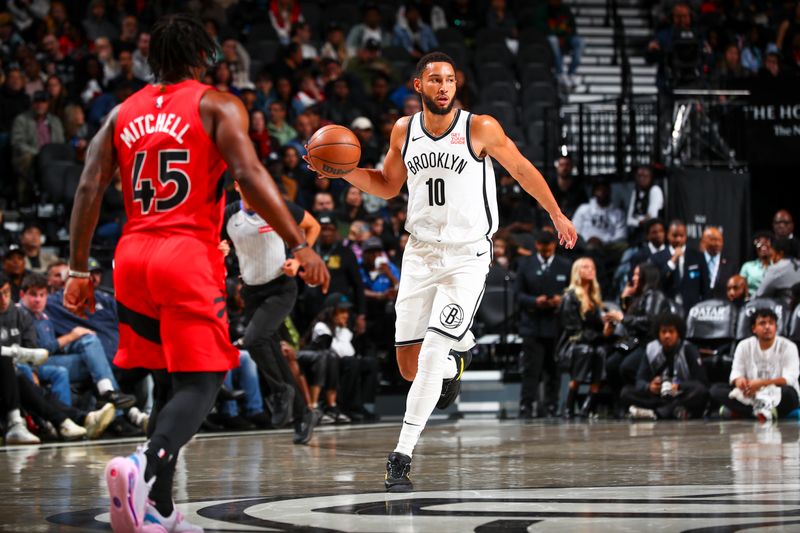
[(584, 331)]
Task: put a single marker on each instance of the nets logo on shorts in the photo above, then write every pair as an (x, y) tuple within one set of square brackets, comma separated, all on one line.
[(451, 316)]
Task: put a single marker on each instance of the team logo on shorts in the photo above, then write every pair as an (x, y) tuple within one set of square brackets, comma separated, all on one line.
[(451, 316)]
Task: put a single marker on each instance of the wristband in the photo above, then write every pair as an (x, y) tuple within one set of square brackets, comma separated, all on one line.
[(298, 247), (78, 274)]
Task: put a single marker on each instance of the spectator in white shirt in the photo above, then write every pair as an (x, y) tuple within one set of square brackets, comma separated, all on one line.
[(647, 200), (763, 381), (599, 222), (358, 375), (370, 29)]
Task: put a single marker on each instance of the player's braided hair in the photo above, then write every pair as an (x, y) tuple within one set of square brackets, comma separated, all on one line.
[(433, 57), (178, 43)]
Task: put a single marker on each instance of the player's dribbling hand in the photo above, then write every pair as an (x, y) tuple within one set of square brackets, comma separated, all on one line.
[(79, 295), (567, 235), (314, 272)]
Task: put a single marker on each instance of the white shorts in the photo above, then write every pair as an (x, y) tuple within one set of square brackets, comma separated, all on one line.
[(441, 286)]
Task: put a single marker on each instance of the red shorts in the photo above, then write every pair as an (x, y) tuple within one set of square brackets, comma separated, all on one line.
[(171, 302)]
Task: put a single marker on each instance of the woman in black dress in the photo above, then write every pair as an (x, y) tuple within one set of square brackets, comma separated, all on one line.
[(586, 328)]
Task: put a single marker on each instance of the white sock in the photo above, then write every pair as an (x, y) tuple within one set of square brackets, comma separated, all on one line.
[(104, 385), (450, 367), (466, 343), (425, 390), (14, 417)]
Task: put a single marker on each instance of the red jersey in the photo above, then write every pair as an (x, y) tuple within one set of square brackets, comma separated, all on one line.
[(171, 170)]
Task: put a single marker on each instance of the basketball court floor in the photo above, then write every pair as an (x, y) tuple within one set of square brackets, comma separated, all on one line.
[(472, 475)]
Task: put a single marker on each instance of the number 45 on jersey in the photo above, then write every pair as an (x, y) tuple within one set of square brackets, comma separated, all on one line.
[(175, 184)]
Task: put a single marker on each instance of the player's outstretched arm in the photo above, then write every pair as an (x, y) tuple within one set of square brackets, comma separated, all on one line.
[(490, 139), (97, 172), (310, 227), (228, 128), (384, 183)]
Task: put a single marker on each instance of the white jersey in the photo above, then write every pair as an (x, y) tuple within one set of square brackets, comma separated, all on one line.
[(260, 250), (452, 195)]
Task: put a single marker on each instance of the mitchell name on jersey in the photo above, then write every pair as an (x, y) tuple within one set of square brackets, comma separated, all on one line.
[(168, 123)]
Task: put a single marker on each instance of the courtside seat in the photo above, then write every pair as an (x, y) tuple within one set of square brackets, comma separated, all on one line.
[(743, 329)]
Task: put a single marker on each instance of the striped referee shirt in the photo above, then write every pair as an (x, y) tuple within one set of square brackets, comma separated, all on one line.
[(260, 250)]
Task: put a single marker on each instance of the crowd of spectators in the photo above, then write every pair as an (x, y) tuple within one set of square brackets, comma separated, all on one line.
[(705, 43), (675, 332), (297, 67)]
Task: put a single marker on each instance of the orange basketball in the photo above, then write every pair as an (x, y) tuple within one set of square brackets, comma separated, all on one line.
[(334, 150)]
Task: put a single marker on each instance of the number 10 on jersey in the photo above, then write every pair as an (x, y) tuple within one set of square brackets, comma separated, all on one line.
[(435, 191)]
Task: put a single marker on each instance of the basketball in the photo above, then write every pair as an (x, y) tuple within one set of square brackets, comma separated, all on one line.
[(334, 150)]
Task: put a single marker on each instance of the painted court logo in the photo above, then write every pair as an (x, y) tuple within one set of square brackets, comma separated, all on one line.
[(451, 316), (680, 508)]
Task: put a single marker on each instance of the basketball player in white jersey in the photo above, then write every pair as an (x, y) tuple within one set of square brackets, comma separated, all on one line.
[(445, 154)]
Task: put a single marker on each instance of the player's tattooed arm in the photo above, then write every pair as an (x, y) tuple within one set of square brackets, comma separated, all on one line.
[(384, 183), (488, 138)]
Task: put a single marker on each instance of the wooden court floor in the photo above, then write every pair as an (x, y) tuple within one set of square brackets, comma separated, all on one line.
[(472, 475)]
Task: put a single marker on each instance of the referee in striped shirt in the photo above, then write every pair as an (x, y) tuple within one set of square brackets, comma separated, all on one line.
[(269, 291)]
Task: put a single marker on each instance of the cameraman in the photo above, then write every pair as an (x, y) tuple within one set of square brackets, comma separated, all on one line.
[(678, 51)]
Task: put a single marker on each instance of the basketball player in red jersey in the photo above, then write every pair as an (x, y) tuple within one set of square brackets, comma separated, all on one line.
[(171, 142)]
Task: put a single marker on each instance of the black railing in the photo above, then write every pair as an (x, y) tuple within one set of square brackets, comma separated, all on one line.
[(613, 136), (708, 128)]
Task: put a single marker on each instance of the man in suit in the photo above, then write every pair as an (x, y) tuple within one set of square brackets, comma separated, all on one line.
[(540, 282), (719, 268), (654, 232), (684, 270), (783, 228)]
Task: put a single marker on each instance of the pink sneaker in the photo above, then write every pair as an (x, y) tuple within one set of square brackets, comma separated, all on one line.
[(174, 523), (128, 493)]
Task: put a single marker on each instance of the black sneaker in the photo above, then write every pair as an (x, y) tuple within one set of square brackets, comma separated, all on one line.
[(236, 423), (260, 420), (398, 468), (304, 428), (451, 387), (526, 412), (119, 399), (121, 427), (280, 406)]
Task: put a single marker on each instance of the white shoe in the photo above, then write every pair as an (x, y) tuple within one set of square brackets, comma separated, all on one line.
[(18, 434), (128, 491), (174, 523), (640, 413), (25, 356), (97, 421), (327, 419), (69, 430), (766, 414), (139, 418)]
